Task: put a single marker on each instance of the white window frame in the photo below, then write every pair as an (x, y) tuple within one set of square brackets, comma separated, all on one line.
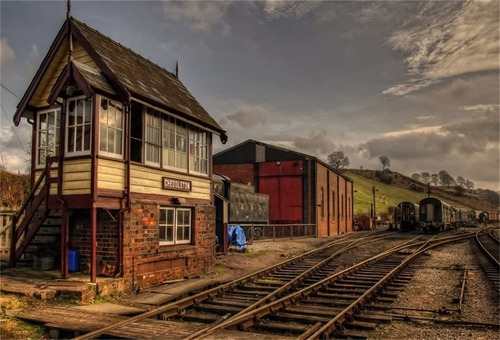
[(175, 225), (57, 119), (146, 135), (80, 152), (108, 127), (197, 145)]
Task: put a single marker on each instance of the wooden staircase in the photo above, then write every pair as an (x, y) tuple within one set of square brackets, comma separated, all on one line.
[(36, 229)]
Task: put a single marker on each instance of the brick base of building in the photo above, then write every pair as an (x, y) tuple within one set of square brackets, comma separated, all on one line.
[(146, 262)]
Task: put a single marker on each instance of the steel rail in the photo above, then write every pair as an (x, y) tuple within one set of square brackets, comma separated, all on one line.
[(289, 299), (218, 290), (348, 313), (493, 236), (286, 287), (462, 289), (284, 302), (483, 248)]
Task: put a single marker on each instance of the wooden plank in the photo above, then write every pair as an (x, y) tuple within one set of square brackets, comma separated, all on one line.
[(85, 321)]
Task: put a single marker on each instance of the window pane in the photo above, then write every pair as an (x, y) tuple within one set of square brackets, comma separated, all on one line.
[(79, 111), (163, 216), (111, 140), (162, 233), (87, 138), (102, 138), (88, 111), (71, 115), (118, 142), (170, 234), (79, 136), (71, 139), (170, 216)]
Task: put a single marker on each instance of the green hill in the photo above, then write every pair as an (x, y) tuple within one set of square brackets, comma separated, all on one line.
[(393, 188)]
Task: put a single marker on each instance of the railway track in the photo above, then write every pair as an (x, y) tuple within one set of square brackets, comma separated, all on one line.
[(219, 303), (305, 308), (489, 243)]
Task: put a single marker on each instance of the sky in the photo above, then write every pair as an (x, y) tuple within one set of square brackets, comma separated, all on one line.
[(417, 82)]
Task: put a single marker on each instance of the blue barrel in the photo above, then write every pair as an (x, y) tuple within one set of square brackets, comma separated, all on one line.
[(74, 261)]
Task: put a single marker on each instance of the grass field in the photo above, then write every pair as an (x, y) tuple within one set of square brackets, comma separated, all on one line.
[(386, 196)]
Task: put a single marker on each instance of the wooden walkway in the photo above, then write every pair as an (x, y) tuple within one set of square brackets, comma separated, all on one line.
[(72, 319)]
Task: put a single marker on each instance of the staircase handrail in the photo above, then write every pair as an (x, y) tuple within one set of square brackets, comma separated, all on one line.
[(27, 205)]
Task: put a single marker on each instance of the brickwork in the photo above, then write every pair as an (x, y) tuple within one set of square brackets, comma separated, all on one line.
[(146, 262), (107, 239), (238, 173)]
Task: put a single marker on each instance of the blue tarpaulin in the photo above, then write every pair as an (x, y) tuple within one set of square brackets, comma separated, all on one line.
[(236, 235)]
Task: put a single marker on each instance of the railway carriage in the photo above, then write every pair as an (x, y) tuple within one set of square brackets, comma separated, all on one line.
[(406, 216), (436, 215)]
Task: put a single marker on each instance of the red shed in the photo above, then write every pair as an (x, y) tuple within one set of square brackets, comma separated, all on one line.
[(301, 188)]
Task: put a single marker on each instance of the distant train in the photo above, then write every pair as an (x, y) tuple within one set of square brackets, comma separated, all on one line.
[(406, 216), (437, 215)]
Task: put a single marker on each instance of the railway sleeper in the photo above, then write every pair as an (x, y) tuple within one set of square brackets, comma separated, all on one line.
[(314, 310), (363, 325), (197, 317), (335, 290), (339, 296), (361, 283), (328, 302), (229, 302), (217, 309), (300, 318), (241, 297), (254, 287), (374, 317), (351, 334), (250, 292), (282, 327)]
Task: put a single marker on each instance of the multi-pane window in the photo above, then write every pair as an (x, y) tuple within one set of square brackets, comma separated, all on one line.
[(153, 136), (110, 128), (79, 125), (174, 143), (166, 142), (198, 151), (175, 225), (48, 135)]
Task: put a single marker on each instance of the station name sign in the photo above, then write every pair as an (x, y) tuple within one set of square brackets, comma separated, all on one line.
[(175, 184)]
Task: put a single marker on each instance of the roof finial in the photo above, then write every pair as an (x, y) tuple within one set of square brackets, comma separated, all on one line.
[(177, 69), (68, 13)]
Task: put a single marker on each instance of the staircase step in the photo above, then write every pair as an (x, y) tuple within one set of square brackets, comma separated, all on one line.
[(46, 230), (42, 239)]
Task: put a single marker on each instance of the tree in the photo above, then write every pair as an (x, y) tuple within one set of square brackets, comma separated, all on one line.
[(416, 177), (460, 181), (426, 177), (434, 179), (469, 184), (338, 160), (445, 178), (386, 162)]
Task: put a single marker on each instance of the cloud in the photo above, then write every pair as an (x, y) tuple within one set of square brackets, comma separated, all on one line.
[(447, 39), (248, 116), (276, 9), (318, 143), (7, 53), (203, 16), (459, 145)]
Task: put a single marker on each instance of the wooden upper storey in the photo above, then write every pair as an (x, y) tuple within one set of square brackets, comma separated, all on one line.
[(117, 121)]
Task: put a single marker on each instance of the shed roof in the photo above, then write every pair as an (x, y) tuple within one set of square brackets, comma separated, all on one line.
[(293, 154)]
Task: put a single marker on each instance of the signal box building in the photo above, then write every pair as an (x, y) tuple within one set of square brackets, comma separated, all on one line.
[(302, 189), (121, 165)]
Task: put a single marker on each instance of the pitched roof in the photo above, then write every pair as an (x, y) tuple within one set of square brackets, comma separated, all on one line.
[(126, 69), (292, 152)]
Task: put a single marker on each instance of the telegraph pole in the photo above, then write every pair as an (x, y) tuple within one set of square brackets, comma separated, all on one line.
[(374, 207)]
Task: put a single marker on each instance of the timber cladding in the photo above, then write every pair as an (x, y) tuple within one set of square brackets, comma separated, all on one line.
[(146, 262)]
